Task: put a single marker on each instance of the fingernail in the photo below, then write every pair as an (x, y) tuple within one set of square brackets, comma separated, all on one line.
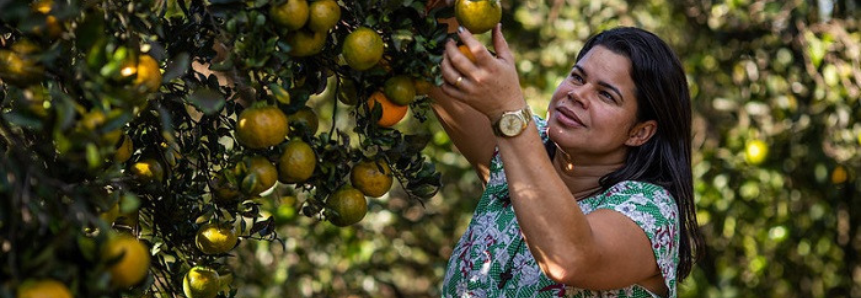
[(459, 29)]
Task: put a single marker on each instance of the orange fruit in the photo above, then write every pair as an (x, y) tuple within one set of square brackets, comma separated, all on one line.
[(297, 163), (839, 175), (346, 206), (363, 48), (45, 288), (133, 261), (224, 191), (148, 170), (42, 6), (478, 16), (261, 127), (264, 174), (422, 86), (466, 52), (213, 238), (201, 282), (116, 217), (400, 90), (148, 73), (291, 14), (304, 43), (392, 113), (124, 150), (324, 14), (372, 178), (304, 117)]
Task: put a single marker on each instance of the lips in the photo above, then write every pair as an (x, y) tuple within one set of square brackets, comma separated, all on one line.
[(568, 117)]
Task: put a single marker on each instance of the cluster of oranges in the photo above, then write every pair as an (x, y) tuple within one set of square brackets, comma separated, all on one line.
[(265, 126)]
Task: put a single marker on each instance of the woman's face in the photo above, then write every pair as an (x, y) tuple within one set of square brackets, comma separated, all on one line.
[(593, 111)]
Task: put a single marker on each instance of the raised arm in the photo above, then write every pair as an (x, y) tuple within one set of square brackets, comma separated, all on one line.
[(468, 129), (604, 250)]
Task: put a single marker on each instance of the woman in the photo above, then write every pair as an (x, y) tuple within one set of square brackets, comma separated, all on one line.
[(595, 201)]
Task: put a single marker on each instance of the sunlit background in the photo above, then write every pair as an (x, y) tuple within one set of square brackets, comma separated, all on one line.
[(776, 88)]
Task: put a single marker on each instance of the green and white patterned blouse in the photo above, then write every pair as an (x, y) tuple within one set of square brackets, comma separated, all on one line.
[(492, 242)]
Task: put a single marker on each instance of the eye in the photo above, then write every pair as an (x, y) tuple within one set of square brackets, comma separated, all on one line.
[(577, 78), (607, 96)]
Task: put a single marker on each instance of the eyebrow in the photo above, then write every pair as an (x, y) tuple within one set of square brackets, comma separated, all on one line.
[(601, 83)]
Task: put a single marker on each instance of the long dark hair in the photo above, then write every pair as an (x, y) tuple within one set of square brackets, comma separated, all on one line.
[(665, 160)]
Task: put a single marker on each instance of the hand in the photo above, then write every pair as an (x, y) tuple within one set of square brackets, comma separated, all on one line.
[(491, 84)]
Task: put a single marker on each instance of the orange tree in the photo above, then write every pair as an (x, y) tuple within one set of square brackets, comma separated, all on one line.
[(140, 138)]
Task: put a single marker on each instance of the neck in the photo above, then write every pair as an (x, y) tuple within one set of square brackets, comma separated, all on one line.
[(581, 178)]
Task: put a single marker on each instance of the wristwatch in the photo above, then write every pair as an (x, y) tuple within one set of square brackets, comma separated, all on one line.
[(512, 123)]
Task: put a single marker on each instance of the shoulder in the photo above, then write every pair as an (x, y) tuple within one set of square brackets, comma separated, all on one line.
[(654, 210), (638, 199)]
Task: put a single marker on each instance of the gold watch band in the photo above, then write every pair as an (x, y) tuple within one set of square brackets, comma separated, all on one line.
[(522, 116)]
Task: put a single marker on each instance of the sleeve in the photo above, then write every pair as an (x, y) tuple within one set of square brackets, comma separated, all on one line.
[(653, 209)]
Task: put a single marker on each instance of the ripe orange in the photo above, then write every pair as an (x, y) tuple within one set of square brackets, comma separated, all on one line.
[(291, 14), (148, 170), (478, 16), (304, 117), (130, 260), (363, 48), (392, 113), (346, 206), (324, 15), (148, 74), (201, 282), (213, 239), (297, 163), (839, 175), (400, 90), (422, 86), (259, 174), (466, 52), (304, 43), (261, 127), (46, 288), (372, 178), (124, 150)]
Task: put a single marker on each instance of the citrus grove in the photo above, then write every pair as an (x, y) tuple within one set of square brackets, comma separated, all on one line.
[(139, 139)]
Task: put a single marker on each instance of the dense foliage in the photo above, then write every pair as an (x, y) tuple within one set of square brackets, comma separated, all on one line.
[(777, 103)]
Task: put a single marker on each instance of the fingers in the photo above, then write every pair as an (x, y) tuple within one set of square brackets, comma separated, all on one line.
[(459, 61), (451, 75), (501, 46), (482, 56)]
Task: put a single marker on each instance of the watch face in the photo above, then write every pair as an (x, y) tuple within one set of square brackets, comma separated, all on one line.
[(510, 125)]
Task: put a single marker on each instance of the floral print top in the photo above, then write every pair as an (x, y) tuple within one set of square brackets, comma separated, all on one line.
[(492, 242)]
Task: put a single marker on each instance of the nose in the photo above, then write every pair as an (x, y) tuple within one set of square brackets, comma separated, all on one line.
[(577, 98)]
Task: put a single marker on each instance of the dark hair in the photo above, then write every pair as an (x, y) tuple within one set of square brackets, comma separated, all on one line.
[(665, 160)]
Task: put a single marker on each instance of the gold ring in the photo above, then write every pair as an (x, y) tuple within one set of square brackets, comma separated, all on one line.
[(457, 82)]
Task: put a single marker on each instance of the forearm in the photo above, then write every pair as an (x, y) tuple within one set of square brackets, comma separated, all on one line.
[(555, 228), (470, 132)]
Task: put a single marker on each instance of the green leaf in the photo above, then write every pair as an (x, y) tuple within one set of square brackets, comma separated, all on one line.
[(177, 66), (20, 119), (207, 100)]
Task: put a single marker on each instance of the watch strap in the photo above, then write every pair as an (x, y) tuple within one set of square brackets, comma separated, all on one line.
[(525, 114)]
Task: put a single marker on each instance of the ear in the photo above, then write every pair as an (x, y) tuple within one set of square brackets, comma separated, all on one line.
[(641, 133)]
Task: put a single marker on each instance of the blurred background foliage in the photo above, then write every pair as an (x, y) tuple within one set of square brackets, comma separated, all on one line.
[(776, 88)]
